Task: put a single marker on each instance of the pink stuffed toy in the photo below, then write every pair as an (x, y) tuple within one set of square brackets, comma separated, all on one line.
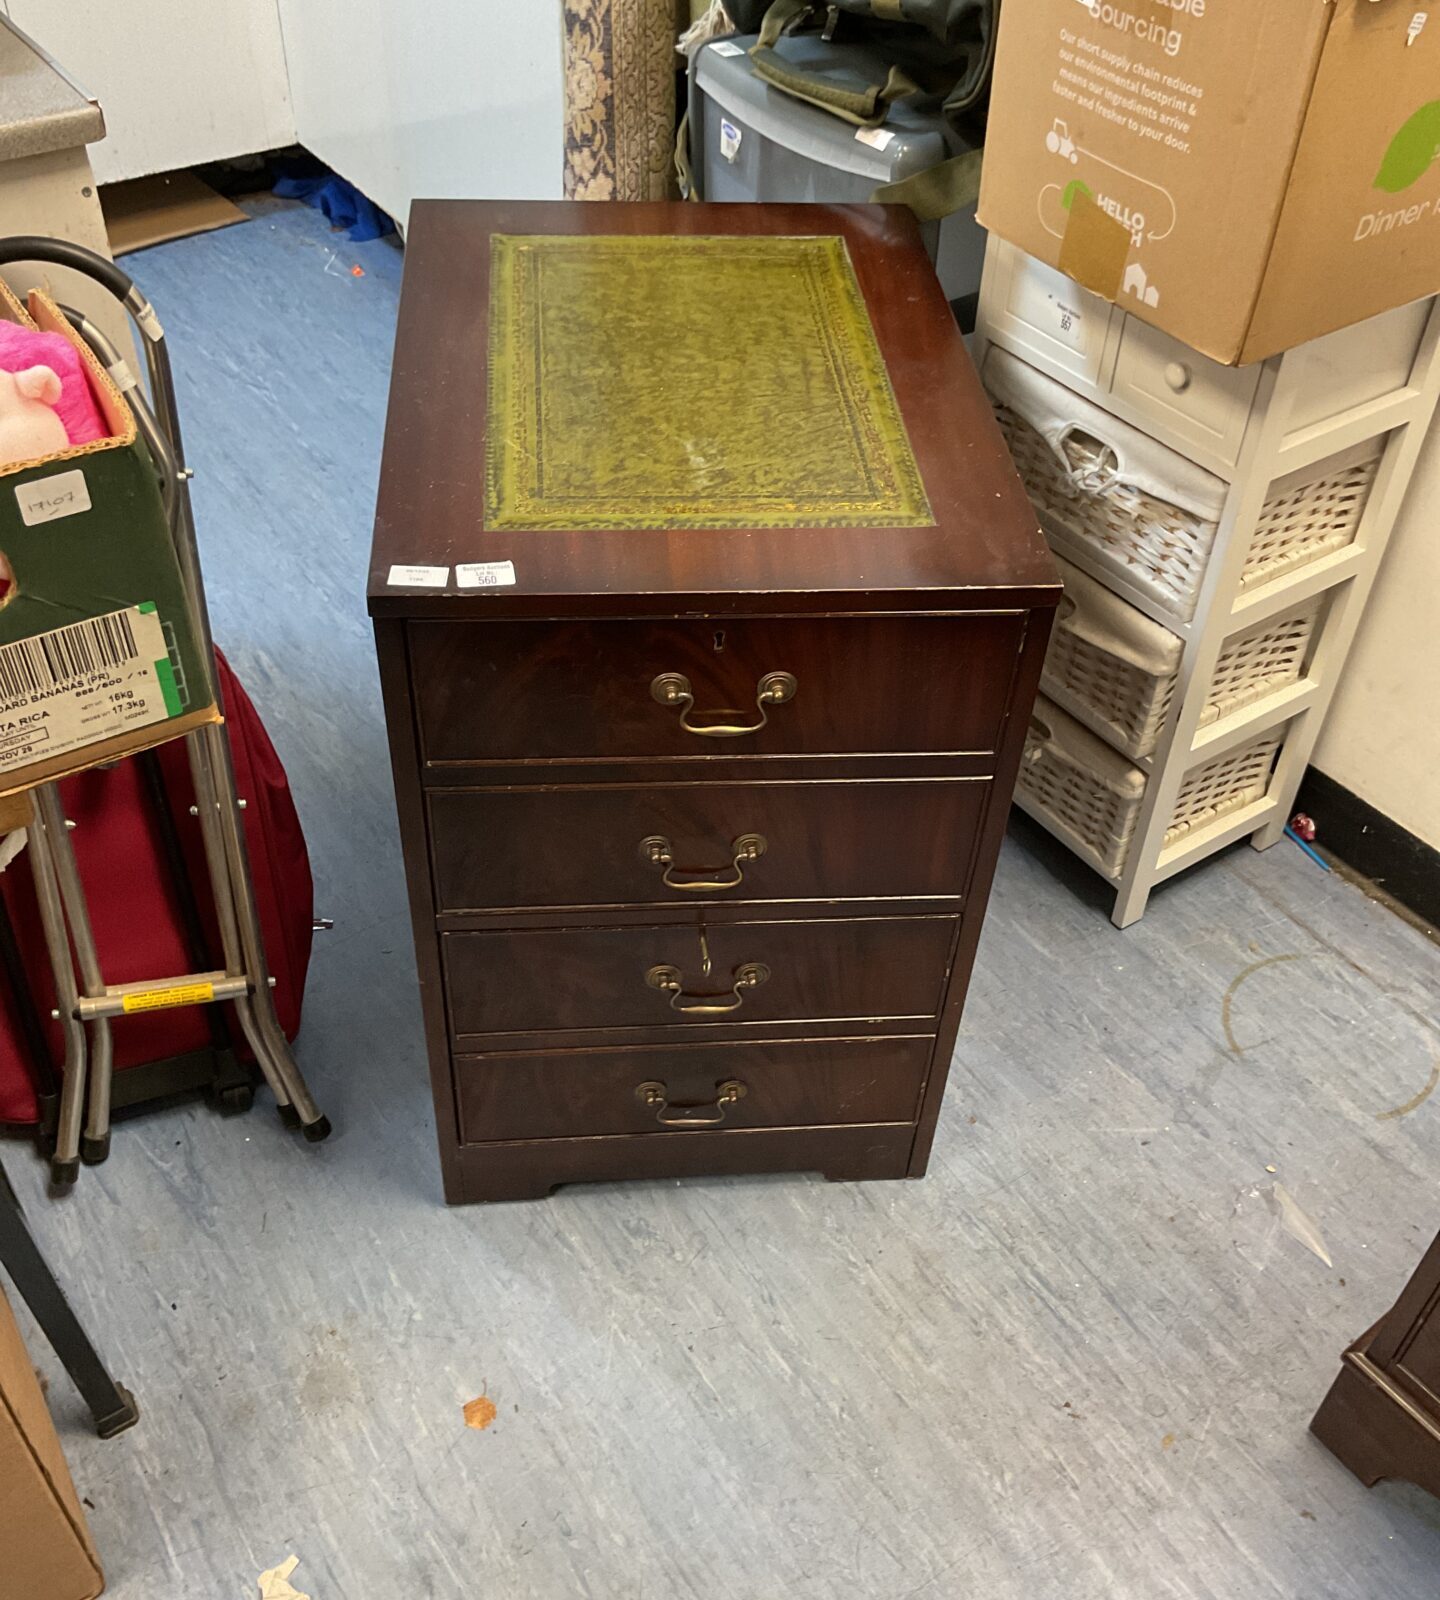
[(45, 399)]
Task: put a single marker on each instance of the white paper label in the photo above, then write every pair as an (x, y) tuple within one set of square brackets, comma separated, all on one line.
[(88, 681), (729, 139), (726, 47), (48, 499), (876, 138), (418, 577), (485, 574), (1069, 322)]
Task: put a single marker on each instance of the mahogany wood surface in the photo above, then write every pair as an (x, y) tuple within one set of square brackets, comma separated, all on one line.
[(1382, 1414), (584, 848), (865, 685), (985, 544), (534, 980), (532, 762), (539, 1095), (530, 1169)]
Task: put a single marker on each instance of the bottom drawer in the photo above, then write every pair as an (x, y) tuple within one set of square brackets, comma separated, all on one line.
[(1092, 795), (689, 1089)]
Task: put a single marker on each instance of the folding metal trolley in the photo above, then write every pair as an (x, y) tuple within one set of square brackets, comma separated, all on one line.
[(86, 1003)]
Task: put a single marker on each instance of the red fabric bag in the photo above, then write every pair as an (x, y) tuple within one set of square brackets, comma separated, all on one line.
[(133, 906)]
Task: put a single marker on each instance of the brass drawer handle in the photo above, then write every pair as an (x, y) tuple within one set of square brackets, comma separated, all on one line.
[(703, 880), (673, 689), (749, 975), (707, 1114)]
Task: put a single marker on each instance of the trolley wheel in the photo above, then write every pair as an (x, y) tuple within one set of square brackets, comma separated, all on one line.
[(94, 1151), (318, 1130), (235, 1099), (64, 1173), (289, 1115)]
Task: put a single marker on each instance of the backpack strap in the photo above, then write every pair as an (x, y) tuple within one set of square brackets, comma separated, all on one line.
[(937, 191), (866, 108)]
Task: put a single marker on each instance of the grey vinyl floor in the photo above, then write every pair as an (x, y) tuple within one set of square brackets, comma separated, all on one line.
[(1077, 1361)]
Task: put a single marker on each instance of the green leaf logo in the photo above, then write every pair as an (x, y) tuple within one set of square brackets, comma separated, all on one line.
[(1411, 151), (1075, 187)]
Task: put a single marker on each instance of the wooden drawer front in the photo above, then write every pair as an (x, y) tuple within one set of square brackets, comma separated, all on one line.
[(536, 981), (727, 841), (517, 691), (1200, 401), (583, 1093), (1045, 313)]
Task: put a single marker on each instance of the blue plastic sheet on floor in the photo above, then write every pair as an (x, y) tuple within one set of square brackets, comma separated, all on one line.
[(341, 203)]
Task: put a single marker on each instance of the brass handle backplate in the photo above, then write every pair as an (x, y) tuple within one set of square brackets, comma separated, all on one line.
[(705, 1115), (668, 980), (746, 848), (673, 689)]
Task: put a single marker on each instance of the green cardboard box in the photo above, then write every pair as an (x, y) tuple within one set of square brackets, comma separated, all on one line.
[(98, 652)]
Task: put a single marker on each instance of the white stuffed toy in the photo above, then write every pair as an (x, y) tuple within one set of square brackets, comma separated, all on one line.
[(29, 427)]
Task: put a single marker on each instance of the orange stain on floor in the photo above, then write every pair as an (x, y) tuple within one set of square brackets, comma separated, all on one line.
[(480, 1413)]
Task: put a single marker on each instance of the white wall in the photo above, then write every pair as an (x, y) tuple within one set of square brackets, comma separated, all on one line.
[(440, 98), (180, 81), (1382, 739)]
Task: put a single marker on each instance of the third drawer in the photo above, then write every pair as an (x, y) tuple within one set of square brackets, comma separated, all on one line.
[(536, 848), (637, 979)]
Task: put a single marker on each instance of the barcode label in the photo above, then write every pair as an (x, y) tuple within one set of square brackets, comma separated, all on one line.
[(69, 653), (84, 683)]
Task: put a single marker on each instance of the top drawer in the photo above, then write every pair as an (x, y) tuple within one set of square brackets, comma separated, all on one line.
[(521, 691), (1193, 404), (1041, 311), (1198, 400)]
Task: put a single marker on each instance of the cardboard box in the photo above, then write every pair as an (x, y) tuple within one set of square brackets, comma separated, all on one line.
[(45, 1545), (1245, 174), (98, 654)]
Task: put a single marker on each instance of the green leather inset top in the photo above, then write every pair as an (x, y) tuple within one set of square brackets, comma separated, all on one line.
[(689, 382)]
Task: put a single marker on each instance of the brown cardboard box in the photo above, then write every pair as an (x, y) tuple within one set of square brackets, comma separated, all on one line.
[(45, 1547), (1245, 174)]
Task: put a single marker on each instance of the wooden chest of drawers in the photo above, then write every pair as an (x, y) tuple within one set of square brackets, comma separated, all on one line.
[(1382, 1414), (709, 614)]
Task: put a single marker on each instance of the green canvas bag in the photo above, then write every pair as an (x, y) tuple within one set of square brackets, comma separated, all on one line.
[(938, 53)]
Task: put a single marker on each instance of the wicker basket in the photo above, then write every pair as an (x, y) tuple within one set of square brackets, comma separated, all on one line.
[(1115, 669), (1146, 513), (1143, 511), (1092, 796), (1311, 513)]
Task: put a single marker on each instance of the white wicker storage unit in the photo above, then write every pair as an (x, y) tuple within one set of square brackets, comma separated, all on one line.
[(1115, 669), (1225, 525)]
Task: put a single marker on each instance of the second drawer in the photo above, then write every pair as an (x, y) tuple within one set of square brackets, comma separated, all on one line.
[(693, 843), (536, 981)]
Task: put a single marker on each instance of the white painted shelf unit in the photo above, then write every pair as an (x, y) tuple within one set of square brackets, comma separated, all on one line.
[(1244, 510)]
